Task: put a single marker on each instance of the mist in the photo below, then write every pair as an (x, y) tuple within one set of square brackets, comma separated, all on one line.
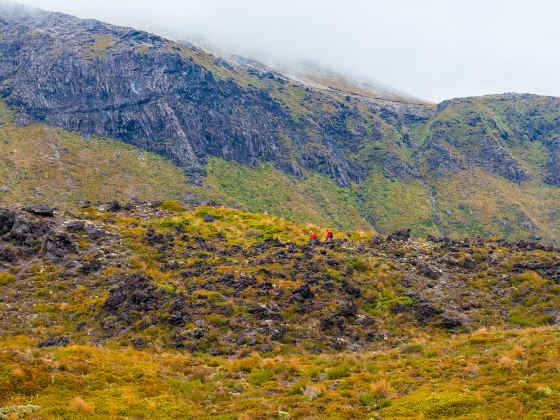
[(433, 49)]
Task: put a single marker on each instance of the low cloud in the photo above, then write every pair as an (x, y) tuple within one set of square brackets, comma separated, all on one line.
[(434, 49)]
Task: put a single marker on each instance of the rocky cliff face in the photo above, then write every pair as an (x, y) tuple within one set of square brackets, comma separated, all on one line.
[(117, 82)]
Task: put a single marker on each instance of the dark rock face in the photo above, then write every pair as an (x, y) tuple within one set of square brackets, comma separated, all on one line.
[(163, 100), (553, 166), (479, 140), (160, 100), (399, 235), (30, 232), (440, 160), (40, 210), (133, 293)]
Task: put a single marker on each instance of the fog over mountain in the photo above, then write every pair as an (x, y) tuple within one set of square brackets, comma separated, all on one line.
[(434, 49)]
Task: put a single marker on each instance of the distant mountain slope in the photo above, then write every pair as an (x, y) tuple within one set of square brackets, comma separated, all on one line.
[(472, 166), (310, 74), (41, 164)]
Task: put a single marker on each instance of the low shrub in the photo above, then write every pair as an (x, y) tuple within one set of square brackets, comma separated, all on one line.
[(257, 377), (380, 389), (338, 372), (171, 205), (359, 264), (6, 278)]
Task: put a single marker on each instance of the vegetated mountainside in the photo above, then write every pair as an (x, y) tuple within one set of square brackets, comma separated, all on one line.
[(171, 312), (478, 166), (40, 164)]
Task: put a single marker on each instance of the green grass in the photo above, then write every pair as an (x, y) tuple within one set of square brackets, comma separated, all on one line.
[(484, 205), (394, 204), (40, 164), (264, 189)]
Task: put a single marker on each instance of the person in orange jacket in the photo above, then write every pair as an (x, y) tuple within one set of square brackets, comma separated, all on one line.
[(329, 236)]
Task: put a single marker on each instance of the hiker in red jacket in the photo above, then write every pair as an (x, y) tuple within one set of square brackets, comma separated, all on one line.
[(313, 238), (329, 236)]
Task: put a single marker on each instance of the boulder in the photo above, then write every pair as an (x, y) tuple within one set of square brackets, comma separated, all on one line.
[(40, 210), (400, 235), (7, 220), (209, 218)]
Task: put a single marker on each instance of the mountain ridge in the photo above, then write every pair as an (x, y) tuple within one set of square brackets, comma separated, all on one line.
[(191, 107)]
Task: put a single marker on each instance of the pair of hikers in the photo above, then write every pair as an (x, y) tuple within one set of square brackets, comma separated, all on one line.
[(313, 237)]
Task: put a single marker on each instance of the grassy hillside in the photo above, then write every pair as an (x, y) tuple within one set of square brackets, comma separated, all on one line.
[(215, 313), (465, 204), (478, 204), (264, 189), (487, 374), (40, 164), (393, 204)]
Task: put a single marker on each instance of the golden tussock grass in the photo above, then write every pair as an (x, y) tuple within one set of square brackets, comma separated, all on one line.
[(380, 389), (80, 405)]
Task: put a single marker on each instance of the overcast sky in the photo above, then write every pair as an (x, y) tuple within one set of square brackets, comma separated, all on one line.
[(434, 49)]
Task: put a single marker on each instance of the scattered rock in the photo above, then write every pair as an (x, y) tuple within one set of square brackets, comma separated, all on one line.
[(425, 311), (55, 342), (7, 220), (114, 206), (450, 322), (209, 218), (351, 289), (302, 293), (133, 292), (266, 311), (399, 235), (40, 210), (347, 309), (58, 245), (430, 271), (75, 226), (94, 233)]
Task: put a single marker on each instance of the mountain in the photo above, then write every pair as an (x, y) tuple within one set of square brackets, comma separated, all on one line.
[(156, 203), (483, 166)]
